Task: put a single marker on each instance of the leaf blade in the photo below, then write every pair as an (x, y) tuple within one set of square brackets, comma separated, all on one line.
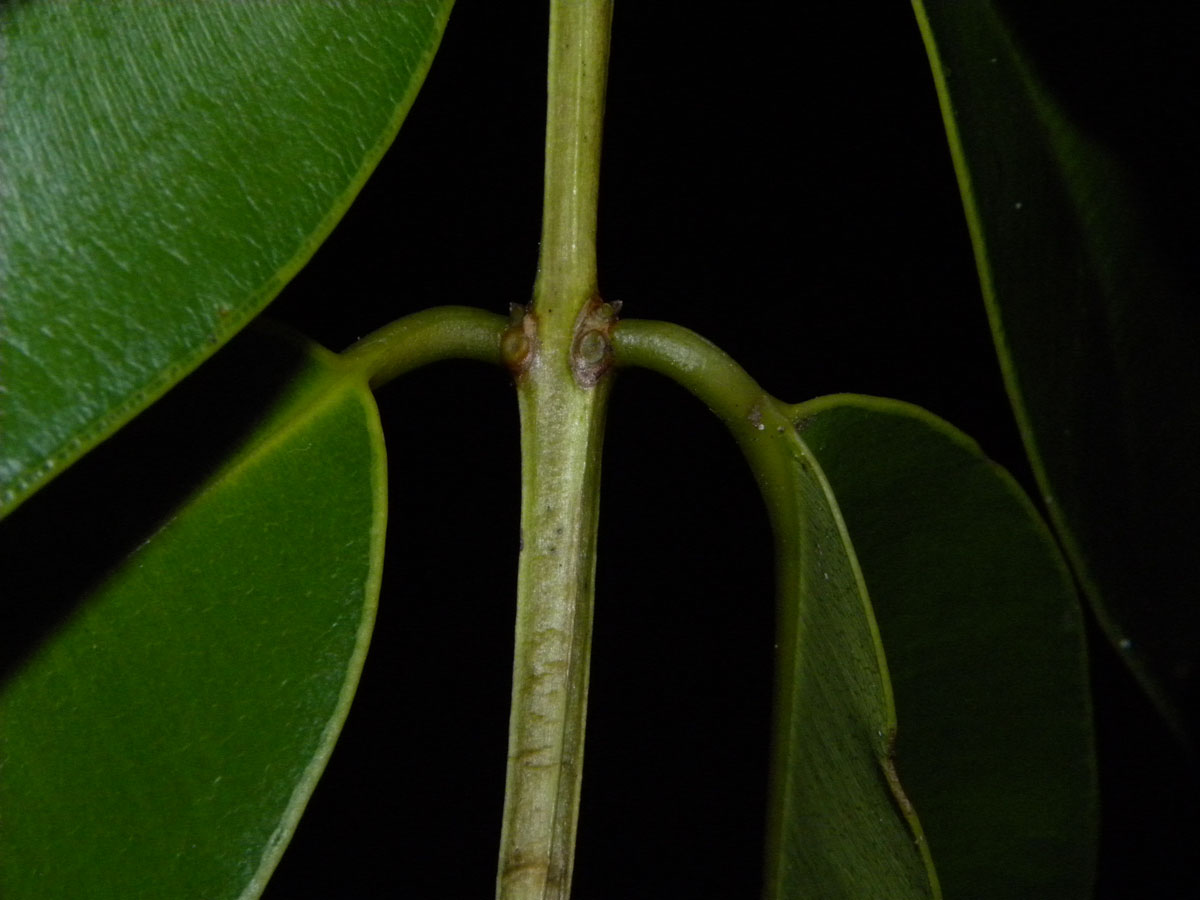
[(164, 740), (841, 824), (985, 643), (168, 168), (1094, 323)]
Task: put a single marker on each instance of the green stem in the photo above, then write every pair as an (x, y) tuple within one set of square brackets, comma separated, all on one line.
[(559, 353), (444, 332), (763, 428), (578, 68), (756, 420)]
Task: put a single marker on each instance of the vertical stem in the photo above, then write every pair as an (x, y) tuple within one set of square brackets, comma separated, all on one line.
[(578, 68), (560, 354)]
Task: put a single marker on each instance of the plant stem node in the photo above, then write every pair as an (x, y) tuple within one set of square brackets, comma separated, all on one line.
[(591, 351), (518, 341)]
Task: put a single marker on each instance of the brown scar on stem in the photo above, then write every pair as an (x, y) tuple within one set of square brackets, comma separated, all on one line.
[(518, 342), (591, 349)]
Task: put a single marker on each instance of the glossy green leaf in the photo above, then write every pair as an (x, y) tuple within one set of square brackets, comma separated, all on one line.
[(163, 738), (985, 646), (167, 167), (1096, 327)]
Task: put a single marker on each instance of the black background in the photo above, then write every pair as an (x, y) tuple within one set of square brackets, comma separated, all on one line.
[(775, 177), (779, 182)]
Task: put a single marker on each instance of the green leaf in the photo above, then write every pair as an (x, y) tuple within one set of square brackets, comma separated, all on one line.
[(841, 825), (985, 645), (167, 168), (1094, 320), (163, 738)]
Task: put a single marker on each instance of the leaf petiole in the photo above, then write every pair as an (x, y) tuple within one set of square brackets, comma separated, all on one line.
[(443, 332)]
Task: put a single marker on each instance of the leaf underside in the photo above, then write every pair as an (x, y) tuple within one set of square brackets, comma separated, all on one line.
[(839, 827), (985, 647), (1090, 282), (167, 168), (162, 738)]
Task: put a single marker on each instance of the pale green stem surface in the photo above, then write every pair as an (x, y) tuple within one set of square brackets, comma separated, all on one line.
[(559, 354)]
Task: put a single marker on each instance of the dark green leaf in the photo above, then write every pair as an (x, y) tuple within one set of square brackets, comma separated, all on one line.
[(167, 168), (985, 647), (841, 824), (163, 739), (1093, 312)]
